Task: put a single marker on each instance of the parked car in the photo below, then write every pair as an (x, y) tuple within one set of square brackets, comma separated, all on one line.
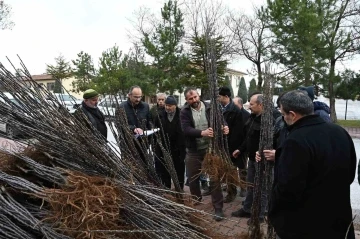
[(69, 101), (108, 106), (6, 128)]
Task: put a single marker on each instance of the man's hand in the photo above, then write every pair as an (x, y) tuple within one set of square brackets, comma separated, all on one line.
[(236, 153), (207, 133), (269, 155), (138, 131), (226, 130)]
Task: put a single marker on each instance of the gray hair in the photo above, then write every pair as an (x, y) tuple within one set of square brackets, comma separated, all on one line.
[(297, 101), (160, 94), (239, 100)]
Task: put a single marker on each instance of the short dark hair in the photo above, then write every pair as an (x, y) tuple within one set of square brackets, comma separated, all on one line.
[(297, 101), (254, 93), (132, 88), (187, 90), (259, 98)]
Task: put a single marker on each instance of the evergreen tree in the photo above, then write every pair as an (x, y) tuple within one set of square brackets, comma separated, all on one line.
[(57, 86), (84, 72), (228, 84), (60, 71), (252, 87), (164, 46), (242, 92), (197, 66)]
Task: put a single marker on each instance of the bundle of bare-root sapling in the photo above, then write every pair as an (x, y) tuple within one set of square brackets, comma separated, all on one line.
[(217, 163), (263, 168)]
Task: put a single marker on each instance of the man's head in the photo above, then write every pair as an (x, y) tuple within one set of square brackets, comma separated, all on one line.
[(192, 97), (256, 104), (91, 98), (135, 95), (238, 102), (309, 90), (160, 99), (294, 105), (224, 95), (170, 104)]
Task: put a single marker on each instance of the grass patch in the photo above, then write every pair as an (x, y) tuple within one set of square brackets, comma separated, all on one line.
[(349, 123)]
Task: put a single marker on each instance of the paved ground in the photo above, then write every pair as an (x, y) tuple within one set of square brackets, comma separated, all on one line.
[(231, 227)]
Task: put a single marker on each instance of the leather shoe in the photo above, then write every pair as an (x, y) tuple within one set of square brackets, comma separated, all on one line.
[(219, 215), (241, 213)]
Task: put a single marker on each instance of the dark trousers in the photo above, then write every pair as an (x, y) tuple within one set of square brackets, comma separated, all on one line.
[(241, 164), (250, 190), (163, 172), (193, 166)]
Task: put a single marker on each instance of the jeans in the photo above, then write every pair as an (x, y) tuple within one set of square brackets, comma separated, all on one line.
[(193, 167), (250, 190)]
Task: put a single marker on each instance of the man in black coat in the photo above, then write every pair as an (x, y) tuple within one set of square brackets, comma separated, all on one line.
[(315, 158), (137, 112), (173, 139), (92, 112), (138, 117), (239, 103), (251, 146), (234, 119)]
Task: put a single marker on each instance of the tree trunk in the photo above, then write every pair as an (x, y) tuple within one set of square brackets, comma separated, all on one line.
[(331, 91), (205, 94), (260, 78)]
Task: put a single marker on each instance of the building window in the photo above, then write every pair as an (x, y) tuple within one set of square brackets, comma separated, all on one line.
[(238, 81), (50, 86)]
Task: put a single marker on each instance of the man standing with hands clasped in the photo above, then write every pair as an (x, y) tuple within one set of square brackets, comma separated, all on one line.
[(194, 118)]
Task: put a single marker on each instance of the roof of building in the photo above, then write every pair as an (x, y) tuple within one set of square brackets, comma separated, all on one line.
[(42, 77), (229, 70)]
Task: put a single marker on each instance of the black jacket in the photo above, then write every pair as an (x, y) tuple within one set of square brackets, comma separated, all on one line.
[(252, 136), (245, 114), (138, 116), (234, 119), (171, 133), (188, 126), (96, 117), (314, 168)]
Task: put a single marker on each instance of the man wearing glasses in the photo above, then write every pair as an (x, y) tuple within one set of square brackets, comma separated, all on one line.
[(137, 111)]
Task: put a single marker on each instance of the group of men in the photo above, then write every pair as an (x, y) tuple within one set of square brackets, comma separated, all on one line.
[(315, 160)]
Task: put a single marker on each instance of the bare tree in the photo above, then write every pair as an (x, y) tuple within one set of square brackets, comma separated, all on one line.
[(5, 15), (252, 38), (342, 38)]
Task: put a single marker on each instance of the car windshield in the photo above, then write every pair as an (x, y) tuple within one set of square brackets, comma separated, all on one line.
[(65, 97)]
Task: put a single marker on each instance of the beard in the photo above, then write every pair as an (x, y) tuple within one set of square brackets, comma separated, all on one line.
[(195, 104)]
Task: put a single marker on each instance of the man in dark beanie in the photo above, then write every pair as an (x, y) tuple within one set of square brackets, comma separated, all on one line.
[(234, 118), (173, 137), (92, 112)]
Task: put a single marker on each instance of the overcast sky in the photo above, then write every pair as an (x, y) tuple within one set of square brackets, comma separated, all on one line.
[(45, 28)]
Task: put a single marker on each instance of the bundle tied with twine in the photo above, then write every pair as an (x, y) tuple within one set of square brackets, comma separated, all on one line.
[(217, 163), (71, 183)]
